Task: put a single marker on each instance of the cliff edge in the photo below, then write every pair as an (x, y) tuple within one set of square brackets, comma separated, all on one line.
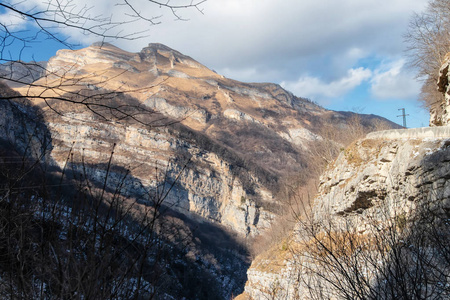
[(377, 183), (440, 111)]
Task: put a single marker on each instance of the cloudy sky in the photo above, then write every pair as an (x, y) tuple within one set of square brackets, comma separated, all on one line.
[(343, 54)]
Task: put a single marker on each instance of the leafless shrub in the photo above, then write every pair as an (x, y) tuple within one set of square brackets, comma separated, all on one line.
[(399, 256)]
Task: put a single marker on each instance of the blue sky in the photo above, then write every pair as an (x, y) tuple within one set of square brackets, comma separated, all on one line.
[(343, 54)]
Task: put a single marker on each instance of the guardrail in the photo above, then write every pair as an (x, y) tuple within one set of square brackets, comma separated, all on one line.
[(422, 132)]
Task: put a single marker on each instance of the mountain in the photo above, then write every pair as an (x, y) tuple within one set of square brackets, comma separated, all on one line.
[(242, 139), (19, 73), (218, 154)]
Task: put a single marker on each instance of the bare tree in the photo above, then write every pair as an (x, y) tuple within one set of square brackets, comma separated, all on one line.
[(428, 41), (50, 17), (36, 23), (76, 239), (398, 256)]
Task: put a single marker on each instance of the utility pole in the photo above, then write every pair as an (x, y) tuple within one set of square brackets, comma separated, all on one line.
[(404, 116)]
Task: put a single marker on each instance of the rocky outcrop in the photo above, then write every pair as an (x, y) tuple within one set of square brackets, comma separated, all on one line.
[(386, 176), (440, 112), (388, 172), (22, 131), (19, 73)]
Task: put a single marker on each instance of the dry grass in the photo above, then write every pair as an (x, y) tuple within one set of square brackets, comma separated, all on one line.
[(359, 152), (272, 260)]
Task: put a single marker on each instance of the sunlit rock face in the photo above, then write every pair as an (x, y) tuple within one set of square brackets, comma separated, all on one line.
[(388, 174), (388, 169), (204, 183), (440, 112)]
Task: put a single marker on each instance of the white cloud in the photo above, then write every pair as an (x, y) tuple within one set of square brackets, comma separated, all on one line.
[(13, 21), (388, 81), (394, 81), (245, 74), (291, 36), (278, 41), (321, 91), (253, 74)]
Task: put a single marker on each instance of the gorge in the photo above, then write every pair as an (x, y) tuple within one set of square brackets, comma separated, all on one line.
[(217, 160)]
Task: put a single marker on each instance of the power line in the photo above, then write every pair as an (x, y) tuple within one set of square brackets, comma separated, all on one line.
[(404, 116)]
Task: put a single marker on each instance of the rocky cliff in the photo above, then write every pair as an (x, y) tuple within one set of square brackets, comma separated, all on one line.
[(403, 168), (385, 178), (440, 112)]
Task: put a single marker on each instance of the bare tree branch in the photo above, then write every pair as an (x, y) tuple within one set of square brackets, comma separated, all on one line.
[(428, 41), (50, 22)]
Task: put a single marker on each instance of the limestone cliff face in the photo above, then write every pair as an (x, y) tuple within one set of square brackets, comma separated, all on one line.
[(387, 174), (205, 185), (440, 112), (395, 170)]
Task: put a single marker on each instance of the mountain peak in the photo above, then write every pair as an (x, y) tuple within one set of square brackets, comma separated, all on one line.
[(102, 45), (174, 56), (158, 46)]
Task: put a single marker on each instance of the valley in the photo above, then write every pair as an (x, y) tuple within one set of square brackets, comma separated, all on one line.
[(205, 177)]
